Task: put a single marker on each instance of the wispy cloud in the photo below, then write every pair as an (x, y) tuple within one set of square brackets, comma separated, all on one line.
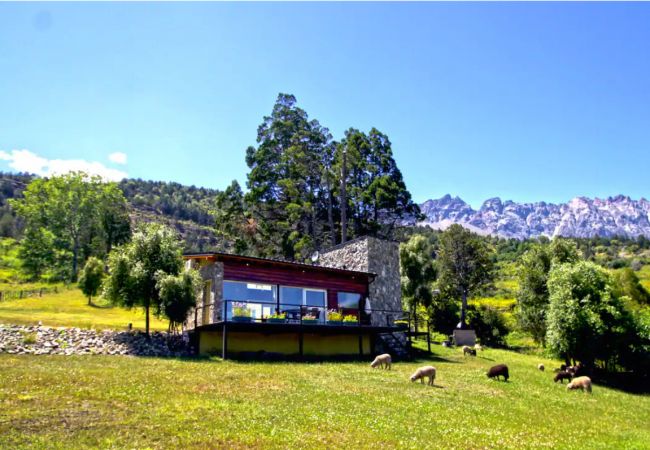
[(117, 157), (27, 161)]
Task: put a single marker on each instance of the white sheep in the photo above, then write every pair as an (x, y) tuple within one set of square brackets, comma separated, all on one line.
[(384, 361), (540, 367), (583, 383), (423, 372), (478, 347)]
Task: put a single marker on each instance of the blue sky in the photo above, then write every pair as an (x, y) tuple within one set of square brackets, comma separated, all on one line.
[(526, 101)]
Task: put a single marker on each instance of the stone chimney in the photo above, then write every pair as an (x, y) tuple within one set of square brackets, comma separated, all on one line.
[(370, 254)]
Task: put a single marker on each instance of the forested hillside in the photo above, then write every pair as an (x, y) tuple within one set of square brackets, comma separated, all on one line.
[(188, 209)]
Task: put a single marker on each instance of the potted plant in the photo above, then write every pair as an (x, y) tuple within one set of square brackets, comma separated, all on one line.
[(350, 319), (240, 312), (334, 317), (277, 318), (309, 319)]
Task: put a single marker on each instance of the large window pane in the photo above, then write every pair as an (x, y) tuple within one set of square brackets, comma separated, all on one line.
[(260, 297), (348, 300)]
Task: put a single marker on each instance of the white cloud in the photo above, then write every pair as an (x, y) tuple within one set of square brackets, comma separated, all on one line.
[(26, 161), (117, 157)]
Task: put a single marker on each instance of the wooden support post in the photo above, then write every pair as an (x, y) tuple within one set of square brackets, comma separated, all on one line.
[(224, 343)]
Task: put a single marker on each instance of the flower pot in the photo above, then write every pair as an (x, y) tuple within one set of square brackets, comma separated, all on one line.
[(309, 321), (334, 322), (243, 319), (275, 320), (351, 324)]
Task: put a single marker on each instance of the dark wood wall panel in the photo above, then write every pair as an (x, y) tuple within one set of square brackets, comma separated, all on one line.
[(300, 277)]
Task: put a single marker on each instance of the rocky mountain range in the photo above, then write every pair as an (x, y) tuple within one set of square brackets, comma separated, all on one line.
[(580, 217)]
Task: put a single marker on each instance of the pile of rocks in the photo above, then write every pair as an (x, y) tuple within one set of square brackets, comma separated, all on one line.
[(40, 340)]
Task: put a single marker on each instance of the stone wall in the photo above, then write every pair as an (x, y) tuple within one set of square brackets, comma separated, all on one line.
[(369, 254), (40, 340), (212, 272)]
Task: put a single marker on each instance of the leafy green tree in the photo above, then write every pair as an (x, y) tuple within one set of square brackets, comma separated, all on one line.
[(489, 324), (76, 214), (465, 265), (232, 225), (586, 322), (627, 284), (90, 280), (178, 296), (533, 295), (564, 250), (376, 193), (135, 268), (417, 271), (285, 178)]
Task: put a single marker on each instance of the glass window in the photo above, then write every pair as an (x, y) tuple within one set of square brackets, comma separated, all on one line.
[(310, 301), (348, 300), (260, 297)]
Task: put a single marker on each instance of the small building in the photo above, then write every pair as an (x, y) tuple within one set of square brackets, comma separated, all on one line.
[(257, 307)]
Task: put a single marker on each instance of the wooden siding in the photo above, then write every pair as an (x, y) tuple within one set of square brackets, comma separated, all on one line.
[(265, 272)]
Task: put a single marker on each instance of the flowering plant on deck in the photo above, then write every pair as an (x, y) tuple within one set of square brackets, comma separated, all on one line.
[(309, 317), (240, 309), (350, 318), (334, 316), (282, 315)]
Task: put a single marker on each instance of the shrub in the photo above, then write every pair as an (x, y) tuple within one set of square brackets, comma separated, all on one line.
[(489, 325)]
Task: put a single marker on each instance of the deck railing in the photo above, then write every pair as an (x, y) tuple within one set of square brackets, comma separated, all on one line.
[(254, 311)]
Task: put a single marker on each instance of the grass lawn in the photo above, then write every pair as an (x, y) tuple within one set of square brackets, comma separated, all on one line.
[(116, 402), (69, 308)]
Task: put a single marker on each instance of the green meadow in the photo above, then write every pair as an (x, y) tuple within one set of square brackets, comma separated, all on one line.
[(128, 402)]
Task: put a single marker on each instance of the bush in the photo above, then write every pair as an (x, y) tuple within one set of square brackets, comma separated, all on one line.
[(489, 325), (444, 316)]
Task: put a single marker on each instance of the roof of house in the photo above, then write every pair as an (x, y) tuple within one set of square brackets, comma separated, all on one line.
[(217, 256)]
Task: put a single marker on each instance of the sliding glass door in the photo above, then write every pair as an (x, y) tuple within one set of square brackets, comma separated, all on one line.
[(312, 302)]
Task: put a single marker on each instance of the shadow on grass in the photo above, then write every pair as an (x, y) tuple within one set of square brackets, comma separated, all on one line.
[(96, 306), (627, 382)]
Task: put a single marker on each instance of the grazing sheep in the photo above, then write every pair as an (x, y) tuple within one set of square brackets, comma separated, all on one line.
[(384, 361), (497, 371), (540, 367), (423, 372), (478, 347), (469, 350), (561, 376), (583, 383)]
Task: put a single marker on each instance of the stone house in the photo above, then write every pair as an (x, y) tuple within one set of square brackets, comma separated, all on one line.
[(345, 304)]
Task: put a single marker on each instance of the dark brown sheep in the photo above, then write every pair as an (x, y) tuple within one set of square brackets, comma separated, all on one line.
[(497, 371), (561, 376)]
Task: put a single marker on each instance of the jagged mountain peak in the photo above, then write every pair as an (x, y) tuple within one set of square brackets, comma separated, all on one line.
[(579, 217)]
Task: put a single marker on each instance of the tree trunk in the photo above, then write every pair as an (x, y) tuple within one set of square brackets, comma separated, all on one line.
[(344, 200), (463, 310), (90, 302), (75, 255), (147, 319), (330, 215)]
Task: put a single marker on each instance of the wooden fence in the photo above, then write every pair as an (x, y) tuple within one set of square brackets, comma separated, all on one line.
[(26, 293)]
